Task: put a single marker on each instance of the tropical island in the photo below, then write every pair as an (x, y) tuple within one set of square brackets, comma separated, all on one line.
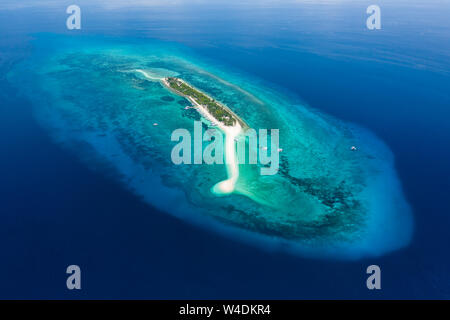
[(221, 116), (103, 98), (217, 110)]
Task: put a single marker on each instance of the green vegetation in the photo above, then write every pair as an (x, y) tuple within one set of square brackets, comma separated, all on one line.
[(219, 112)]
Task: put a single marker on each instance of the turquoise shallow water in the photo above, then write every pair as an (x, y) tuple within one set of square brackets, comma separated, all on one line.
[(325, 200)]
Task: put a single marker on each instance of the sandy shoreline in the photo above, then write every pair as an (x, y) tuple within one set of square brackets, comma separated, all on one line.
[(231, 132), (147, 75)]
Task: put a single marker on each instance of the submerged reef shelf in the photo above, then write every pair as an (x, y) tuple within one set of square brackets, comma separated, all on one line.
[(328, 199)]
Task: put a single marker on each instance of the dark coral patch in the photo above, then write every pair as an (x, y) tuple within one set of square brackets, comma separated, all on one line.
[(167, 98)]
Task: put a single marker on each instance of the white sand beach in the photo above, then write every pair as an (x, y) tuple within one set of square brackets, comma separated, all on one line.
[(231, 132), (147, 75)]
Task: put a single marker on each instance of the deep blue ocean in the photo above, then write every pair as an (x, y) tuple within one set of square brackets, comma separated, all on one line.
[(395, 81)]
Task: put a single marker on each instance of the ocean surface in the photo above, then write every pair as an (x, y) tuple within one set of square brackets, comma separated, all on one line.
[(62, 205)]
